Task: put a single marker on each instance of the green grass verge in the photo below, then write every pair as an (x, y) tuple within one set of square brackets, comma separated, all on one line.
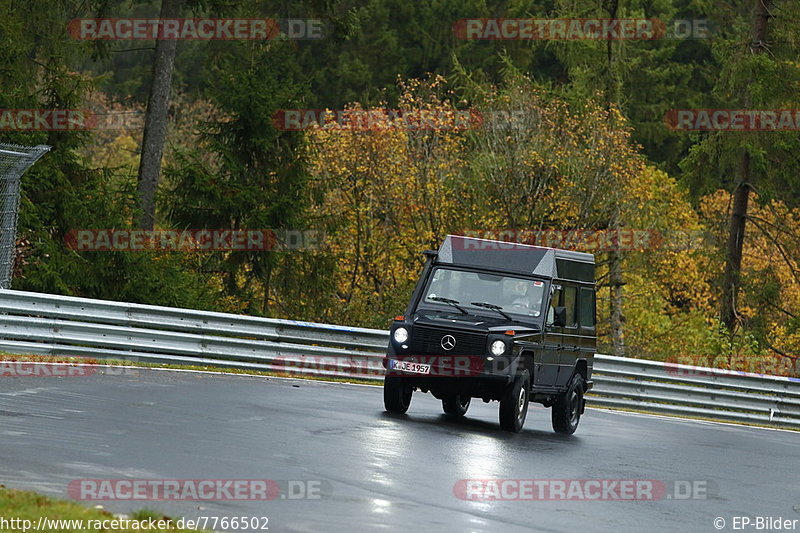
[(21, 510)]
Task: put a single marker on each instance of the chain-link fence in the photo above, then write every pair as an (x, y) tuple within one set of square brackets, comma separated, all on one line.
[(14, 161)]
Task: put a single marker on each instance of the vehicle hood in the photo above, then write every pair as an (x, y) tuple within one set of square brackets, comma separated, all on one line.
[(470, 322)]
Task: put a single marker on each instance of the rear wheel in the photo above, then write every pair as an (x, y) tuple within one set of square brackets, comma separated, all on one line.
[(514, 403), (396, 395), (567, 408), (456, 405)]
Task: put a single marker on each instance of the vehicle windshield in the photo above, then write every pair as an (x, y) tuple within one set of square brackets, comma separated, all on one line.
[(516, 296)]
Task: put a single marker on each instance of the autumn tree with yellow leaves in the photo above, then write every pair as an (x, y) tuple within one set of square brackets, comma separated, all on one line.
[(528, 161), (385, 188)]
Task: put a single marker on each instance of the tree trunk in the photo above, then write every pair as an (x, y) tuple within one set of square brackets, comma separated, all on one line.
[(616, 280), (155, 122), (733, 263), (615, 284), (741, 197), (267, 283)]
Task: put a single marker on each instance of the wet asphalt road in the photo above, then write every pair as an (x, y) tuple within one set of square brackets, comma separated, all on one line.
[(379, 472)]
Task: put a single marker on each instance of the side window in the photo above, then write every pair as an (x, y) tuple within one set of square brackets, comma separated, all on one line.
[(571, 303), (587, 308), (555, 301)]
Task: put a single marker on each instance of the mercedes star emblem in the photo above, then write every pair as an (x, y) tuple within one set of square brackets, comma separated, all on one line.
[(448, 342)]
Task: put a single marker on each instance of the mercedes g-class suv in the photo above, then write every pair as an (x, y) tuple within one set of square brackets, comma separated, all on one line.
[(497, 321)]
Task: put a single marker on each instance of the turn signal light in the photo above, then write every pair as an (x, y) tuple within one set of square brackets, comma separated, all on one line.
[(510, 332), (399, 317)]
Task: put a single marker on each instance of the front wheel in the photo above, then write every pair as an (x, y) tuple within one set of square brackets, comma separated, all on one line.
[(514, 403), (456, 405), (396, 395), (567, 408)]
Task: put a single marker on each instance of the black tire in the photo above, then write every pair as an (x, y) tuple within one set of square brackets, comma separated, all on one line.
[(396, 395), (514, 403), (456, 405), (568, 406)]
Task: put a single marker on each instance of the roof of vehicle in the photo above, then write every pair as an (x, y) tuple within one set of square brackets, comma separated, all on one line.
[(517, 258)]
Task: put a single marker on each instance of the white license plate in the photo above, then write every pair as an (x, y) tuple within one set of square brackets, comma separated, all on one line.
[(406, 366)]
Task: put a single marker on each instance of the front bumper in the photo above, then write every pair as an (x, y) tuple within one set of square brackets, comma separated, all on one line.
[(439, 367)]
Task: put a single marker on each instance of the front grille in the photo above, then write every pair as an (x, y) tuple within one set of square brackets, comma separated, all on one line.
[(426, 340)]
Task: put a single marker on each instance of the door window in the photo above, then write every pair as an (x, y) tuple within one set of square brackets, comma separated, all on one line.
[(587, 308), (570, 296)]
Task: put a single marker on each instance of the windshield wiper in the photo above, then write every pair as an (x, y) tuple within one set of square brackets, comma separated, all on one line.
[(448, 301), (493, 308)]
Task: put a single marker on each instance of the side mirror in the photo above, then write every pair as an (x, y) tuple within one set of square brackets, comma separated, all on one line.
[(560, 318)]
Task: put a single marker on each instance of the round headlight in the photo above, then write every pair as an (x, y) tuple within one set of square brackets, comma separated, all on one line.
[(400, 335), (498, 347)]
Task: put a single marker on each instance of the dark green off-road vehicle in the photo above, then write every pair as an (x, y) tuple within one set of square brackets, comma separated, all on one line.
[(497, 321)]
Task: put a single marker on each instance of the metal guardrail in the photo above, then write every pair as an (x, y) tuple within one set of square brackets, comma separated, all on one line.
[(44, 324)]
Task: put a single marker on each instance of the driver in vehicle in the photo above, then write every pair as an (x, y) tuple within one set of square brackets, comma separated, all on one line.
[(528, 302)]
